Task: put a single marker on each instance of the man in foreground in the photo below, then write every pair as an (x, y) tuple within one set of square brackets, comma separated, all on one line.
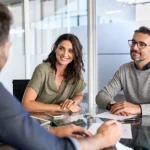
[(18, 130), (133, 78)]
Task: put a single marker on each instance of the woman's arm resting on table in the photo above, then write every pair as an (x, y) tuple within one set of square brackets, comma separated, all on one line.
[(72, 104), (31, 105)]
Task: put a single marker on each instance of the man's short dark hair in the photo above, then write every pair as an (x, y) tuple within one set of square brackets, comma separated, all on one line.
[(5, 23), (143, 30)]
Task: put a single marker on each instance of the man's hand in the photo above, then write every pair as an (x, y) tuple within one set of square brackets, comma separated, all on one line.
[(109, 133), (70, 130), (69, 105), (125, 108)]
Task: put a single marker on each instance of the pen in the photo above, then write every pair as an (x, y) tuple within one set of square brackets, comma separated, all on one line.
[(47, 114), (133, 119), (130, 120)]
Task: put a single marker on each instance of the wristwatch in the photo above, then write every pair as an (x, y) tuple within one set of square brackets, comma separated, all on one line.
[(109, 105)]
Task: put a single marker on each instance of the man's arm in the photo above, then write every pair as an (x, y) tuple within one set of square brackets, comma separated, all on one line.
[(70, 130), (130, 108), (107, 135), (125, 108), (18, 130), (107, 94)]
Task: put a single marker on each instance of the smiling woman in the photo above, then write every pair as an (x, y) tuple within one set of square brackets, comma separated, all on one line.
[(57, 83)]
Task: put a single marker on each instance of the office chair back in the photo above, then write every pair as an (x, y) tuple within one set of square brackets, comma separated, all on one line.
[(19, 87)]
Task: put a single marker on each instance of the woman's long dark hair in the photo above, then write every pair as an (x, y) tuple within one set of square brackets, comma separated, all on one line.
[(73, 69)]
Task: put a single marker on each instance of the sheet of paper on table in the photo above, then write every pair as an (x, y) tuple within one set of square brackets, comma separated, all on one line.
[(125, 133), (125, 130), (108, 115), (120, 146)]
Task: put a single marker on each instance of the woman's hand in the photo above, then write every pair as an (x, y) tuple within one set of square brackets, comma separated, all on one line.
[(69, 105), (74, 108)]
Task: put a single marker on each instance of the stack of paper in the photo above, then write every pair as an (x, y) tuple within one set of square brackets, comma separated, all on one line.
[(108, 115)]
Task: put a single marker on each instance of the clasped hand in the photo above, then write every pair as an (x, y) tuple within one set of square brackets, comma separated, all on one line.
[(69, 105), (125, 108)]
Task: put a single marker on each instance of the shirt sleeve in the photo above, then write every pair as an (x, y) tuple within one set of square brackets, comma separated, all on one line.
[(18, 130), (75, 143), (36, 81), (80, 85), (145, 108), (107, 94)]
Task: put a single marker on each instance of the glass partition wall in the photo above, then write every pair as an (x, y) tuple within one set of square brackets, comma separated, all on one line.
[(15, 67), (48, 20), (37, 24), (116, 22)]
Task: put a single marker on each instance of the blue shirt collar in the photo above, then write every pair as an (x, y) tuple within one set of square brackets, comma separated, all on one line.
[(146, 67)]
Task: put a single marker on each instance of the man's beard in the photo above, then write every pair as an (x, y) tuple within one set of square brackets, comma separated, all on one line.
[(137, 59)]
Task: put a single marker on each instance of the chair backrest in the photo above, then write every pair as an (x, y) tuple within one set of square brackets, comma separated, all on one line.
[(19, 87)]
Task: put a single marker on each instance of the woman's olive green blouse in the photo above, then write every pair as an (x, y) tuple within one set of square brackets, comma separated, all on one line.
[(43, 83)]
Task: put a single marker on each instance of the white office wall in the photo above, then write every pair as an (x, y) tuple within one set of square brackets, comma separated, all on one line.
[(142, 14), (113, 10), (14, 69), (15, 66)]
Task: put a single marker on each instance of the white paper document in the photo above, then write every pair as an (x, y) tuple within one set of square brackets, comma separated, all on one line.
[(93, 128), (125, 130), (125, 133), (120, 146), (108, 115)]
